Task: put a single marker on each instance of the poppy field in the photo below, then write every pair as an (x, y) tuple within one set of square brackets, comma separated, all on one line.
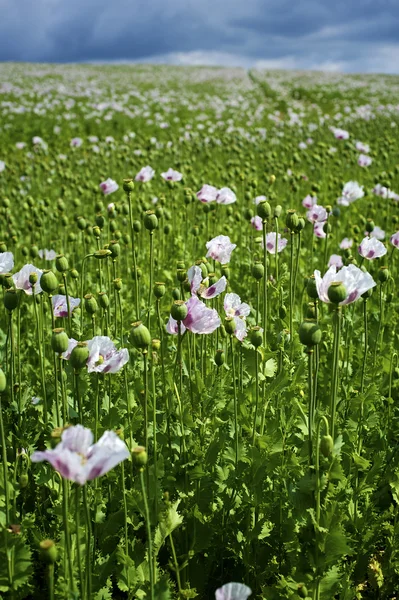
[(199, 371)]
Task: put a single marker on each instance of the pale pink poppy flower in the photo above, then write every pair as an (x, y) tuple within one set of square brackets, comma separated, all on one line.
[(145, 174), (356, 282), (351, 191), (346, 244), (364, 148), (76, 457), (172, 175), (238, 311), (20, 145), (233, 591), (220, 249), (309, 201), (207, 193), (104, 357), (395, 239), (225, 196), (335, 261), (371, 248), (302, 146), (109, 186), (318, 229), (47, 254), (364, 160), (259, 199), (271, 243), (377, 233), (21, 279), (256, 223), (38, 141), (76, 142), (381, 190), (340, 134), (200, 319), (60, 306), (317, 214), (194, 275), (6, 262)]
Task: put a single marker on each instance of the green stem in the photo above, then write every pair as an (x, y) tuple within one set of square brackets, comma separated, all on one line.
[(235, 401), (256, 395), (149, 534), (40, 356), (335, 370)]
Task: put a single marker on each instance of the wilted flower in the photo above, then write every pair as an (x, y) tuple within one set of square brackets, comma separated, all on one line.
[(378, 233), (257, 223), (220, 249), (172, 175), (207, 193), (145, 174), (309, 201), (104, 357), (6, 262), (76, 457), (199, 319), (271, 242), (109, 186), (351, 191), (335, 261), (47, 254), (371, 248), (194, 275), (60, 306), (395, 239), (21, 279), (238, 311), (317, 214), (356, 282), (225, 196), (346, 244), (233, 591), (364, 160)]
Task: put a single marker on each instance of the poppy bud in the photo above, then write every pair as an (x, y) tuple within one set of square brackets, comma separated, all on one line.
[(166, 229), (61, 263), (311, 311), (277, 211), (59, 340), (155, 344), (179, 310), (3, 381), (159, 289), (117, 284), (48, 282), (91, 305), (181, 275), (34, 251), (74, 274), (11, 299), (220, 357), (383, 274), (326, 445), (302, 590), (292, 219), (150, 220), (139, 456), (264, 210), (327, 227), (337, 292), (336, 212), (140, 336), (103, 300), (96, 231), (229, 325), (48, 552), (81, 223), (309, 333), (256, 337), (23, 480), (128, 185), (33, 278), (311, 288), (176, 295), (282, 311), (79, 356), (258, 270), (369, 225), (136, 226), (114, 248)]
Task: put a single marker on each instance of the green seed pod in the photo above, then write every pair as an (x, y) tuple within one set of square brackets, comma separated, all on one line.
[(150, 220), (229, 325), (181, 275), (3, 247), (226, 271), (33, 278), (136, 273), (203, 267), (195, 231), (100, 221), (327, 227), (277, 211), (103, 300), (383, 274), (117, 284), (102, 254), (311, 311), (311, 288), (23, 480), (136, 226), (140, 336), (61, 263), (367, 294), (74, 274), (256, 337), (263, 210), (91, 305), (258, 270), (282, 311), (337, 292), (336, 212), (302, 590), (355, 229), (301, 225), (48, 552), (139, 456), (220, 358), (309, 333), (326, 445), (179, 310), (11, 299), (98, 207), (79, 356), (176, 295), (112, 225), (167, 229), (292, 219), (81, 223), (3, 381), (34, 251), (159, 289), (114, 248), (128, 185), (48, 281), (369, 225), (59, 340), (24, 251), (159, 212)]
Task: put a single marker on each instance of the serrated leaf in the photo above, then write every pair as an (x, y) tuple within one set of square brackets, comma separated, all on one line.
[(169, 520), (162, 591), (270, 368)]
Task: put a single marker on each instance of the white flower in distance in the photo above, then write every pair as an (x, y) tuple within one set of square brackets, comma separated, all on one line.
[(47, 254), (2, 166), (336, 261), (364, 160), (356, 282), (381, 190), (104, 357), (365, 148), (220, 249), (108, 186), (378, 233), (346, 244), (76, 142), (21, 279), (226, 196), (6, 262), (257, 223), (395, 239), (145, 174), (172, 175), (371, 248), (271, 242), (194, 275), (60, 306), (233, 591), (351, 191), (207, 193), (76, 457), (238, 311), (340, 134)]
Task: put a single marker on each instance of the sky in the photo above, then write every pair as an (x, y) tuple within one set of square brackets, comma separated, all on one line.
[(332, 35)]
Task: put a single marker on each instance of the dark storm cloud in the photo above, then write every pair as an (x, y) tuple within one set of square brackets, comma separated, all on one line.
[(302, 33)]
